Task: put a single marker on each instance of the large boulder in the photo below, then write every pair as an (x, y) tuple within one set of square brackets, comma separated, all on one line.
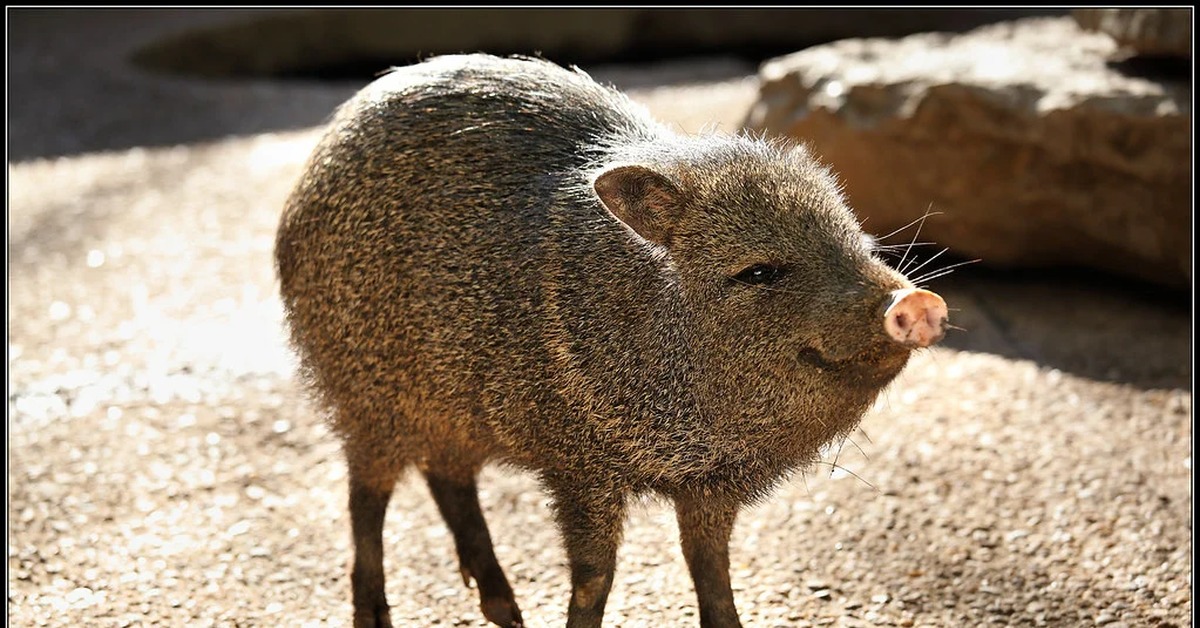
[(1034, 148)]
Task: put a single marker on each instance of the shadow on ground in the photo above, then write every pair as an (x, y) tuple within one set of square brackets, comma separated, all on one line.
[(1084, 323)]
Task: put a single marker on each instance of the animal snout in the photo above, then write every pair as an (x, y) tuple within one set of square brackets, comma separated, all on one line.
[(915, 317)]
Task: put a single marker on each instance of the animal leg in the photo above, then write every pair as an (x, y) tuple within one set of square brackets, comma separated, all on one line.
[(704, 529), (368, 507), (458, 501), (591, 523)]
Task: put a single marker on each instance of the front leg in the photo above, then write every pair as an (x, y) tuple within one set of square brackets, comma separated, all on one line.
[(704, 529), (591, 522)]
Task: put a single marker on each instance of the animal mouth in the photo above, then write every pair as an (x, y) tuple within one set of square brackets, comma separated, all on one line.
[(812, 357), (870, 368)]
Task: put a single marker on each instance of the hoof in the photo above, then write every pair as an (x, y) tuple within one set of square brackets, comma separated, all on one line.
[(502, 612)]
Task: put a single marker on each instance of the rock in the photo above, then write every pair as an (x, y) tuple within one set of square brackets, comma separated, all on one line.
[(1036, 151), (1150, 32)]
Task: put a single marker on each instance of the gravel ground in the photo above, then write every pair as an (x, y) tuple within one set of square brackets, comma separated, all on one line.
[(165, 469)]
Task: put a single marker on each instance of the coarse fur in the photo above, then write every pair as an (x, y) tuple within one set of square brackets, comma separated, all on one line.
[(494, 259)]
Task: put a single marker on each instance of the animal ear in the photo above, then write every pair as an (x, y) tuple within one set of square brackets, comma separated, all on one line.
[(643, 199)]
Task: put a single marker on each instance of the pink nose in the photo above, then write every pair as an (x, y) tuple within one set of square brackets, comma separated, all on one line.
[(916, 318)]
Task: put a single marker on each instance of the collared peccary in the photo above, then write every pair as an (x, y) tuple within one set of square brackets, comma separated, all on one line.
[(496, 259)]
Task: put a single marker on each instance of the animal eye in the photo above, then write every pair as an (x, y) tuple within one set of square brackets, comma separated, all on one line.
[(760, 274)]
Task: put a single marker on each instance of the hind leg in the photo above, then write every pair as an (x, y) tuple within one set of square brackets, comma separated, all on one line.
[(368, 506), (458, 500)]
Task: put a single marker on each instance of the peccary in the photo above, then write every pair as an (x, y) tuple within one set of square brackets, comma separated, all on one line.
[(498, 259)]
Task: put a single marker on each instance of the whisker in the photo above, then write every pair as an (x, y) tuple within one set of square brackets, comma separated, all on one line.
[(915, 221), (924, 263), (888, 247), (914, 240), (860, 449), (956, 327), (836, 457), (924, 285), (804, 479), (893, 250), (848, 471), (942, 272)]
